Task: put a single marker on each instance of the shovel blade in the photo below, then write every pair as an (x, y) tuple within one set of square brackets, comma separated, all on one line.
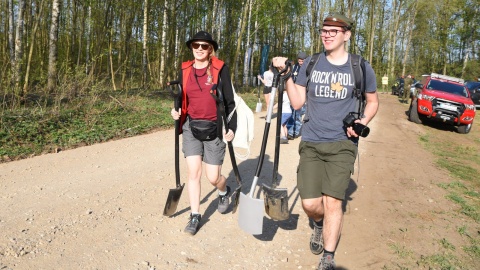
[(172, 201), (236, 198), (250, 215), (276, 203), (259, 107)]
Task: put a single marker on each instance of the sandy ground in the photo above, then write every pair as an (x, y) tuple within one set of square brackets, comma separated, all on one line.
[(100, 207)]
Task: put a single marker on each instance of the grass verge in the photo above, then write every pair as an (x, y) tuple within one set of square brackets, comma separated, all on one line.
[(36, 129), (462, 161)]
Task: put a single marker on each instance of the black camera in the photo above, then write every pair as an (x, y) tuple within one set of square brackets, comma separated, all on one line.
[(360, 129)]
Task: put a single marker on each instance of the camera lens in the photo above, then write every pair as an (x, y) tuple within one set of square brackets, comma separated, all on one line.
[(361, 130)]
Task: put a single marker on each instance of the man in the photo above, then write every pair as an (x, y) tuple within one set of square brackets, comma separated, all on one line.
[(406, 88), (295, 122), (328, 149)]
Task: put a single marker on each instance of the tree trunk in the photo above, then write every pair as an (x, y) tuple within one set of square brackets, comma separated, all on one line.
[(393, 36), (248, 51), (145, 41), (11, 41), (32, 43), (410, 24), (239, 40), (110, 56), (19, 45), (164, 44), (372, 31), (52, 54), (87, 37)]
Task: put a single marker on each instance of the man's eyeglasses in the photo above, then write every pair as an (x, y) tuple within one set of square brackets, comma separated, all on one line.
[(332, 32), (196, 45)]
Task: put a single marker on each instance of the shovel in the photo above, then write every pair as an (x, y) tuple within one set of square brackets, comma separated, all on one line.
[(250, 217), (259, 103), (221, 108), (276, 199), (175, 193)]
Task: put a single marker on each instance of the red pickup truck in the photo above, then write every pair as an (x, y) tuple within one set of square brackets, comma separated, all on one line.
[(444, 99)]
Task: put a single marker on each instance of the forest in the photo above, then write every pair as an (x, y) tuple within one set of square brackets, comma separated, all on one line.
[(69, 47)]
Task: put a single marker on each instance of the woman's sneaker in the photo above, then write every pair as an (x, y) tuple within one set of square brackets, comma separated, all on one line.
[(223, 201), (316, 240), (193, 224)]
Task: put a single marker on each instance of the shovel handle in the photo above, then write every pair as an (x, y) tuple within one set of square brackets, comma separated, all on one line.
[(177, 96), (277, 75), (219, 101), (281, 88)]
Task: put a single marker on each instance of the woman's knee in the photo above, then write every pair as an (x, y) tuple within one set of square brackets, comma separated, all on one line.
[(213, 174)]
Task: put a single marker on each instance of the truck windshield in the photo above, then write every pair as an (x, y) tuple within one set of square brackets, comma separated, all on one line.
[(448, 87)]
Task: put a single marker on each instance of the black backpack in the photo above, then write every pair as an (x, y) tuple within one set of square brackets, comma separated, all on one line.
[(357, 64)]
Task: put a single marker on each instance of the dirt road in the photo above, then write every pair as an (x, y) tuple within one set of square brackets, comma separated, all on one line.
[(100, 207)]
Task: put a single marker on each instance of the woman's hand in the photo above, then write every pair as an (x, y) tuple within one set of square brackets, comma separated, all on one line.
[(229, 135), (175, 114)]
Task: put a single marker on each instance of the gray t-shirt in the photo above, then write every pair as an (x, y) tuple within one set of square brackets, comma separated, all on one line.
[(330, 98)]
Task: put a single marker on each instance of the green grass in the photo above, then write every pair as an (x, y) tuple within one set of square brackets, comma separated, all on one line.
[(35, 130), (46, 125), (462, 163)]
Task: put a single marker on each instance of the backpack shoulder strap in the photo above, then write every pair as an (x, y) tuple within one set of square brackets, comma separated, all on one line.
[(358, 68), (311, 64)]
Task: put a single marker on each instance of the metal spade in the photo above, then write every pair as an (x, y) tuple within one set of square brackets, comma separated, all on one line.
[(174, 194), (276, 199)]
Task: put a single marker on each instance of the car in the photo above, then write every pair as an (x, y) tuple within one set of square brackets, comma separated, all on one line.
[(443, 99), (474, 88)]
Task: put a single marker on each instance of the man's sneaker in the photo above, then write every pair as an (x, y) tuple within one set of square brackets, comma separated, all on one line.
[(193, 224), (223, 202), (284, 140), (316, 240), (326, 263)]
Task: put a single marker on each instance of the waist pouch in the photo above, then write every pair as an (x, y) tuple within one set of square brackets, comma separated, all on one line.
[(203, 130)]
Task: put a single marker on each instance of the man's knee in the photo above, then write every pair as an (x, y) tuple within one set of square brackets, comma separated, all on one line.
[(312, 205)]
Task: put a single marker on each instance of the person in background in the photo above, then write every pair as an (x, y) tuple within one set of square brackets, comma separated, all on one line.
[(267, 80), (286, 115), (197, 78), (294, 124), (406, 88), (328, 148)]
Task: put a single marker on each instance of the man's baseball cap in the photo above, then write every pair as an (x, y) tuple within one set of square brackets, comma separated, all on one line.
[(336, 19), (301, 55)]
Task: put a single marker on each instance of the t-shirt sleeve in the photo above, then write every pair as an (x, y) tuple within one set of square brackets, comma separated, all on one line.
[(371, 80)]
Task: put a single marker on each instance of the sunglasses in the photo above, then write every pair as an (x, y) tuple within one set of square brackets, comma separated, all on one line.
[(205, 46)]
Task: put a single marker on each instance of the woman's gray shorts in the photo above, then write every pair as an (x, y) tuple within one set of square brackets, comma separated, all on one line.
[(212, 152)]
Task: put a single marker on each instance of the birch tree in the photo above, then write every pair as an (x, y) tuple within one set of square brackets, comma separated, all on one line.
[(17, 67), (52, 55), (163, 43), (145, 41), (249, 49)]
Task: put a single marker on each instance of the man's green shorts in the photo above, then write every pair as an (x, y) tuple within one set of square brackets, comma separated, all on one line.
[(325, 168)]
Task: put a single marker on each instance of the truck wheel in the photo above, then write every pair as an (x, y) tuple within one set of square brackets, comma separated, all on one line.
[(413, 114), (464, 129)]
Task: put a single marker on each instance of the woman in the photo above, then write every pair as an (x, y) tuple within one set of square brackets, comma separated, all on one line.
[(267, 80), (198, 77)]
